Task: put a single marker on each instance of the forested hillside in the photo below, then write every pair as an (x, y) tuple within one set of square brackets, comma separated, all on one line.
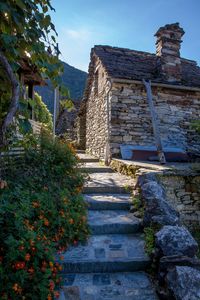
[(73, 78)]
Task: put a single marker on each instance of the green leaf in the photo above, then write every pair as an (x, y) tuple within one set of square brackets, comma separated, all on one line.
[(25, 126)]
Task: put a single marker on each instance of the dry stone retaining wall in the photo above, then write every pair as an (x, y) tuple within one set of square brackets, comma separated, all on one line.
[(97, 113), (183, 192)]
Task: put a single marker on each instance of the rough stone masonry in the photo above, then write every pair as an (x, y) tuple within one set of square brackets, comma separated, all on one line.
[(116, 109)]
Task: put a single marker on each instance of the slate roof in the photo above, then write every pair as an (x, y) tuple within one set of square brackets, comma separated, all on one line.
[(137, 65)]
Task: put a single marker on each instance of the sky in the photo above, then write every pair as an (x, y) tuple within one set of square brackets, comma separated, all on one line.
[(81, 24)]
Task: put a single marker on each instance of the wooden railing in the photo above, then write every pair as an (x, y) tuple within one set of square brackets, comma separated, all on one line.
[(15, 154)]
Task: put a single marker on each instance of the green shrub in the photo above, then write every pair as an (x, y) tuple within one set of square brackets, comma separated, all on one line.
[(149, 233), (41, 212), (41, 112)]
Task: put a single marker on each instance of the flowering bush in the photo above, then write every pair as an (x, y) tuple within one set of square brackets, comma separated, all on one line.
[(41, 212)]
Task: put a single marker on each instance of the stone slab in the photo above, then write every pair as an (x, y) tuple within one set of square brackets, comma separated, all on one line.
[(83, 258), (95, 167), (108, 201), (108, 286), (113, 221), (86, 158), (108, 183)]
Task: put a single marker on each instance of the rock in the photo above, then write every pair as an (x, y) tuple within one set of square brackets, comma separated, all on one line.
[(145, 179), (176, 240), (167, 262), (157, 209), (184, 282)]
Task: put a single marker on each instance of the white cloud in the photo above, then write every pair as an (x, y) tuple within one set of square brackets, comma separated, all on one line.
[(81, 34), (75, 45)]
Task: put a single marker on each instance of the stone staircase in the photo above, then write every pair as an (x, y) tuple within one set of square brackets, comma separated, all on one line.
[(111, 264)]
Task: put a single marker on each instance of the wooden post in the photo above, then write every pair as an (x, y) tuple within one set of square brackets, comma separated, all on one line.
[(156, 129), (55, 110)]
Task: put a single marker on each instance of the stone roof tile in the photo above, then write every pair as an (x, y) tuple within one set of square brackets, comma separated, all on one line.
[(137, 65)]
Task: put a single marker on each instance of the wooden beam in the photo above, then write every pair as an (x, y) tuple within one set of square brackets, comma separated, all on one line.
[(156, 129)]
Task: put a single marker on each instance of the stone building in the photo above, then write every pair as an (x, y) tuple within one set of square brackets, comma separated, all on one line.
[(116, 109)]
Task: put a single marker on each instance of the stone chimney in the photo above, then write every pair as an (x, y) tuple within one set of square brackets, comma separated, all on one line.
[(168, 50)]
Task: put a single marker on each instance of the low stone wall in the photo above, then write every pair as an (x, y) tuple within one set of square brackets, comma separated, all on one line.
[(183, 192), (181, 185)]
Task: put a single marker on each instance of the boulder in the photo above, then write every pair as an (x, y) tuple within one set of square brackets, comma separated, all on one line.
[(157, 209), (176, 240), (168, 262), (184, 282), (145, 178)]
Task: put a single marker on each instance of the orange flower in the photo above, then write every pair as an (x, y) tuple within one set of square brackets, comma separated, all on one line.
[(56, 294), (75, 242), (84, 218), (51, 264), (21, 248), (32, 243), (71, 221), (46, 222), (60, 268), (17, 288), (44, 263), (51, 285), (19, 265), (49, 297), (35, 204), (27, 257), (31, 270), (43, 269), (3, 184)]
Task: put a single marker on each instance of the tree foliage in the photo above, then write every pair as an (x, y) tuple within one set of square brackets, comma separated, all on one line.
[(41, 112), (26, 32)]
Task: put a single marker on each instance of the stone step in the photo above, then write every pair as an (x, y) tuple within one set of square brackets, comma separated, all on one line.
[(108, 183), (95, 167), (113, 221), (108, 201), (107, 253), (109, 286), (80, 151), (105, 190), (86, 158)]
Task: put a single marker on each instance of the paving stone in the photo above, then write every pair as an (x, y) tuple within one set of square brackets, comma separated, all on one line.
[(111, 286), (131, 256), (108, 201), (86, 158), (108, 183), (95, 167), (99, 253), (113, 221), (72, 293)]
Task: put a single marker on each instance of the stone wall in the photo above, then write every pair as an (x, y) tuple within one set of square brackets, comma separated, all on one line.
[(97, 114), (183, 192), (80, 126), (131, 120)]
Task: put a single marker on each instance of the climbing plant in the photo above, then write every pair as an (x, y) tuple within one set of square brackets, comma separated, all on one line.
[(26, 32), (41, 112)]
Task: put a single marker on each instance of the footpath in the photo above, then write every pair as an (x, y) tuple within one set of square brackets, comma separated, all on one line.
[(111, 264)]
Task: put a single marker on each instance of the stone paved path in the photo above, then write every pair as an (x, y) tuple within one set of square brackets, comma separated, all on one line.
[(111, 264)]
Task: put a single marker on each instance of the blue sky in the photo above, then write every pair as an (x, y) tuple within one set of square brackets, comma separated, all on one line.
[(81, 24)]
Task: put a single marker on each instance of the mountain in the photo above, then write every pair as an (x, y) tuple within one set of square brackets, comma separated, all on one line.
[(74, 79)]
